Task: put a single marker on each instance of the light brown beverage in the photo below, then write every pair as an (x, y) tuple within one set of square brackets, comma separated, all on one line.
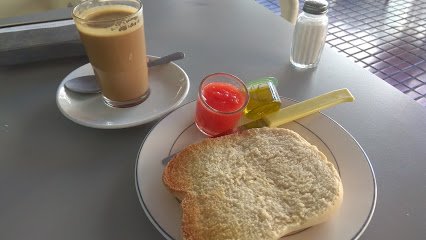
[(114, 39)]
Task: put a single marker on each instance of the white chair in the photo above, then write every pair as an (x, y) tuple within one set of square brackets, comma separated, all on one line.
[(289, 10)]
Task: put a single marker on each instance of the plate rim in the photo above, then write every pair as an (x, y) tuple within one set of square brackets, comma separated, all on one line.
[(159, 115), (164, 233)]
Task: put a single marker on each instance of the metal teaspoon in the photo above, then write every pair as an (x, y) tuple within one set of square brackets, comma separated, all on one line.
[(88, 84)]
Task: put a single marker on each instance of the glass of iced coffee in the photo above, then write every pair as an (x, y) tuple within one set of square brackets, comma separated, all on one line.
[(112, 32)]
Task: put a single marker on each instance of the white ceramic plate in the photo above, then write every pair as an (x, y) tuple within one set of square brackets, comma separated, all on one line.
[(177, 130), (169, 86)]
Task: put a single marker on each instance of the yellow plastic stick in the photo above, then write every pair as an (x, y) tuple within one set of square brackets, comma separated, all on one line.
[(307, 107)]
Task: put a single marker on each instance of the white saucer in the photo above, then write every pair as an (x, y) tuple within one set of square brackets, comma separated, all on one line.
[(169, 85)]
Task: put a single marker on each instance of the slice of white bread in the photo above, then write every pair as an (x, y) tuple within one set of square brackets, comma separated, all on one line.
[(258, 184)]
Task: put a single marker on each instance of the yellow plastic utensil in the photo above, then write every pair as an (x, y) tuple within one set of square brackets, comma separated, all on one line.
[(301, 109)]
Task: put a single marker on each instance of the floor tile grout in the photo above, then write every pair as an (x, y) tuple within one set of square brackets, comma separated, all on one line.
[(385, 37)]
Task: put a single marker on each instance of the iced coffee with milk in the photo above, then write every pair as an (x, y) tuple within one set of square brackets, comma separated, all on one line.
[(113, 35)]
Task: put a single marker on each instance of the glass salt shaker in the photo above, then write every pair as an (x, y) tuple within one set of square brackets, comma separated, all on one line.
[(309, 34)]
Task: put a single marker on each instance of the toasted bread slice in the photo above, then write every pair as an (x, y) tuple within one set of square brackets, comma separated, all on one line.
[(259, 184)]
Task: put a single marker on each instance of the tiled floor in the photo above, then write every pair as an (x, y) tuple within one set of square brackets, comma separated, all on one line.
[(387, 37)]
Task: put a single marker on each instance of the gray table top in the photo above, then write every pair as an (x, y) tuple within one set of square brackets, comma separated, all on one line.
[(60, 180)]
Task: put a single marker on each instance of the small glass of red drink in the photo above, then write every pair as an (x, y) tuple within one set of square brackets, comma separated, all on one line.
[(222, 98)]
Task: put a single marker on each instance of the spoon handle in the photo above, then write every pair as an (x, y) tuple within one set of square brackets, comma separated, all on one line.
[(166, 59)]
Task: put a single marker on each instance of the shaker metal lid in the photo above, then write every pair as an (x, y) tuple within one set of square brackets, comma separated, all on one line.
[(316, 7)]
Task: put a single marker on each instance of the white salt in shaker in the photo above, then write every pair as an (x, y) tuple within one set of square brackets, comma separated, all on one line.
[(309, 34)]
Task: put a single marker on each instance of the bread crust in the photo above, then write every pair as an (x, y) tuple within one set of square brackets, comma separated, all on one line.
[(265, 185)]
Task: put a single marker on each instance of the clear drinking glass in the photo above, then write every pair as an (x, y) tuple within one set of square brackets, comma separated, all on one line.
[(222, 98), (112, 32)]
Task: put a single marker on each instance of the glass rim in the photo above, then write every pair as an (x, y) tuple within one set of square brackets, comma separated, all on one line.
[(74, 15), (245, 92)]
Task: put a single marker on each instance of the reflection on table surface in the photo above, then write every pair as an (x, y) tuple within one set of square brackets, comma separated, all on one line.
[(18, 12), (24, 7)]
